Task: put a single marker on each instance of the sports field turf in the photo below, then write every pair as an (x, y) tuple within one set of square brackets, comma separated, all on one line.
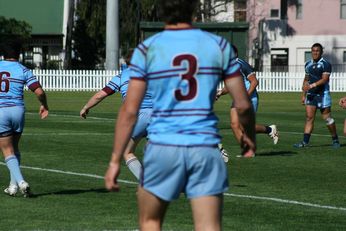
[(64, 159)]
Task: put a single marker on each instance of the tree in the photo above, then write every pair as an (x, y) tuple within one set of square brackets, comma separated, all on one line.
[(89, 34), (12, 26)]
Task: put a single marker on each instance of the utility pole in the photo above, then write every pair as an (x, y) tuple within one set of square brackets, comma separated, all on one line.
[(112, 35)]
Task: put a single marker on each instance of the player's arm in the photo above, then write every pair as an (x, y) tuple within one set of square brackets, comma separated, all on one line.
[(41, 96), (342, 102), (304, 88), (126, 120), (221, 92), (324, 79), (253, 83), (235, 86), (93, 101)]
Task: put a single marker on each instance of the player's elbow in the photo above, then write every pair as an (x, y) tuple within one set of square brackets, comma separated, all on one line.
[(243, 107)]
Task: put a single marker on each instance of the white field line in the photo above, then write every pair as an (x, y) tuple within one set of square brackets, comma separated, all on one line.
[(107, 119), (225, 194)]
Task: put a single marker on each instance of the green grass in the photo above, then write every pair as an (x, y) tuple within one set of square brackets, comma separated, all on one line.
[(315, 175)]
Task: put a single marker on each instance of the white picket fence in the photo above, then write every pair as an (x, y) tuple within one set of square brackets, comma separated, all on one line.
[(94, 80)]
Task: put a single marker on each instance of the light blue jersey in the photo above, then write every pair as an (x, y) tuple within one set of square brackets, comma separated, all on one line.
[(120, 84), (182, 69), (13, 78)]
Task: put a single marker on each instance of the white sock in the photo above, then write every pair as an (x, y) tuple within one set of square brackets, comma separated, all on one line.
[(135, 167)]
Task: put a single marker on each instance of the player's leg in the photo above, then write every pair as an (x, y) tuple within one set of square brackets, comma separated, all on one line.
[(6, 145), (310, 112), (235, 125), (151, 210), (207, 181), (139, 131), (10, 149), (270, 130), (131, 160), (207, 212), (326, 115), (163, 180)]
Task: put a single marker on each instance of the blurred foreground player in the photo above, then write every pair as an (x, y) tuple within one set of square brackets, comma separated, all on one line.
[(181, 67)]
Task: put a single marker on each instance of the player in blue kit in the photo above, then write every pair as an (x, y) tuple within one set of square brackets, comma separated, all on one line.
[(316, 95), (251, 82), (181, 67), (13, 78), (120, 84)]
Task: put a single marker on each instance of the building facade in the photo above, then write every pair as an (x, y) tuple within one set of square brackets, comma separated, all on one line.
[(48, 20), (282, 31)]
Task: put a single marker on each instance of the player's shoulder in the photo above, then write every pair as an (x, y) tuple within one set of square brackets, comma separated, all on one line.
[(15, 66), (324, 61), (307, 63), (217, 39)]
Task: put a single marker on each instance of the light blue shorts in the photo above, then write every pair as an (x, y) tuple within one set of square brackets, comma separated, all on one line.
[(319, 101), (195, 171), (11, 120), (140, 129)]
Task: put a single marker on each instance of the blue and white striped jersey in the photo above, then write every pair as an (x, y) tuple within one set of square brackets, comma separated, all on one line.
[(315, 70), (119, 83), (182, 69), (13, 77)]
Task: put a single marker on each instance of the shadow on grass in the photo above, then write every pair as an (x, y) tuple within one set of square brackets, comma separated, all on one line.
[(71, 192), (276, 153)]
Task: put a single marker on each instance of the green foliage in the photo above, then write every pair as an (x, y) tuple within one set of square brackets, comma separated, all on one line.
[(89, 34), (12, 26)]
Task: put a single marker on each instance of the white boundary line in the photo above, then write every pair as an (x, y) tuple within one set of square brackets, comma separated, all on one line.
[(225, 194)]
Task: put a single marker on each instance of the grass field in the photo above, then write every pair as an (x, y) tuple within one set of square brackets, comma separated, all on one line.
[(64, 159)]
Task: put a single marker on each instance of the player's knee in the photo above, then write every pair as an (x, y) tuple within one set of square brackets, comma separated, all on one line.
[(310, 118), (329, 121)]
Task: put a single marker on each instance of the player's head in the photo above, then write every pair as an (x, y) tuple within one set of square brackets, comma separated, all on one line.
[(11, 48), (235, 49), (177, 11), (316, 51)]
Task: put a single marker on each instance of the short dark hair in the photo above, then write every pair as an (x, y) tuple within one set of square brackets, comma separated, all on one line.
[(318, 45), (177, 11), (11, 47)]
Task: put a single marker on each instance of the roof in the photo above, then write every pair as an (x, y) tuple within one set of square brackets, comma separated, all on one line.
[(45, 16)]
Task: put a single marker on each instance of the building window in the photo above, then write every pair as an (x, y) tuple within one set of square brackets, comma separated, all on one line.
[(307, 56), (343, 9), (344, 57), (279, 59), (299, 10), (240, 10), (274, 13)]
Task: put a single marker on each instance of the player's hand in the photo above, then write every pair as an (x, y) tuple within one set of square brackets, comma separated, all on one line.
[(111, 177), (83, 113), (43, 112), (218, 94), (248, 146), (303, 100), (342, 103)]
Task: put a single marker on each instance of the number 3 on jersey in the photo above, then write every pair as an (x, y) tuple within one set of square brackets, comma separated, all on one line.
[(188, 76), (4, 82)]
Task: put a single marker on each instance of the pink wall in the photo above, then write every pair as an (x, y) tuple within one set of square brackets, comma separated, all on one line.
[(320, 17)]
